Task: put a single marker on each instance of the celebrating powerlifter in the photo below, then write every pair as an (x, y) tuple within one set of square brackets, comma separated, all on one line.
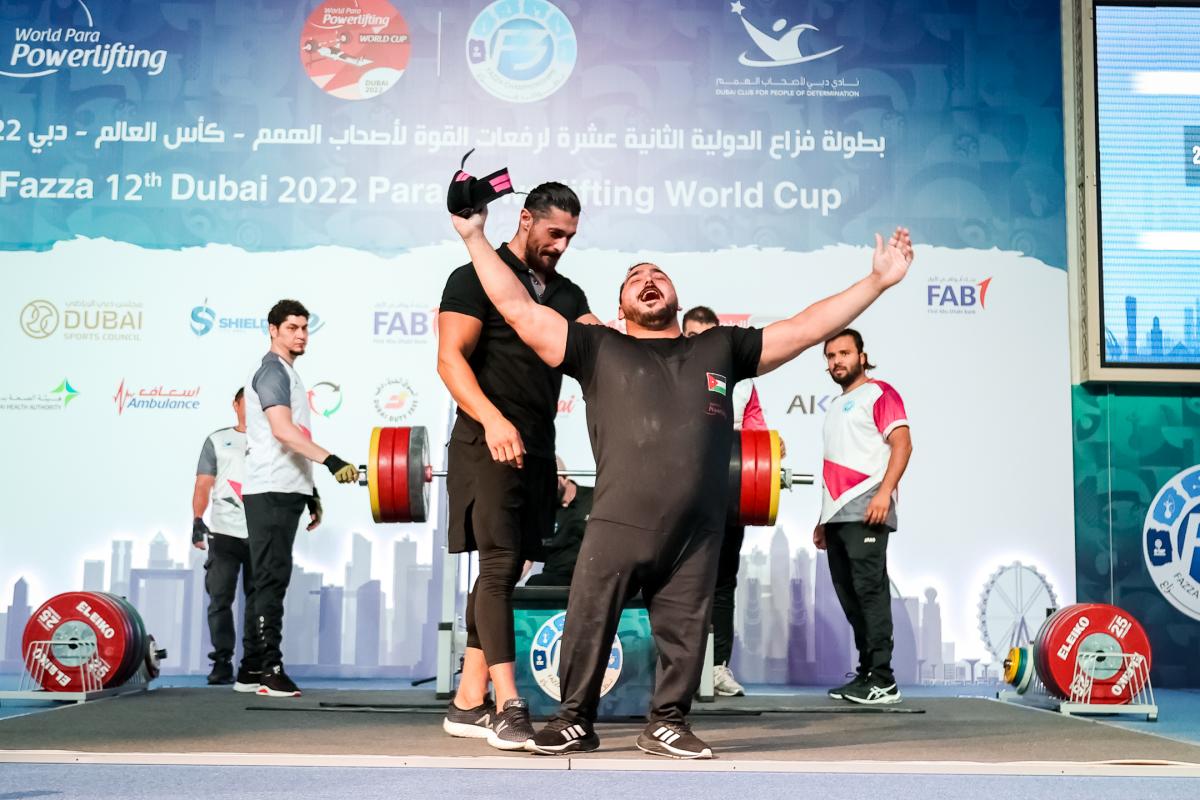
[(660, 420)]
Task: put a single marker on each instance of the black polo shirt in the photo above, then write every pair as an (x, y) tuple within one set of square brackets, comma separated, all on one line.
[(509, 372), (660, 417)]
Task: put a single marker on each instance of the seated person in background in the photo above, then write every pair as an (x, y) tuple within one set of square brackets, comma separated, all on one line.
[(574, 507)]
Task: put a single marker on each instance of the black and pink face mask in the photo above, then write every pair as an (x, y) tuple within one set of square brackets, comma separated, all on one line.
[(469, 195)]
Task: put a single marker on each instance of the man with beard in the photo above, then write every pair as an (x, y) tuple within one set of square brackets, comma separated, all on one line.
[(279, 486), (660, 421), (867, 447), (501, 474)]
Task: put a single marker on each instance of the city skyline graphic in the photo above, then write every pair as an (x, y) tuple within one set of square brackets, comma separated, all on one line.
[(789, 626)]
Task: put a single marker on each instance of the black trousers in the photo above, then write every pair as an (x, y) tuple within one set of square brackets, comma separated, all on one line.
[(723, 597), (858, 566), (228, 556), (504, 513), (675, 573), (271, 520)]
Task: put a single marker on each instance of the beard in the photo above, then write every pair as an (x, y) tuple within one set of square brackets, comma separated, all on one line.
[(535, 259), (852, 374), (656, 320)]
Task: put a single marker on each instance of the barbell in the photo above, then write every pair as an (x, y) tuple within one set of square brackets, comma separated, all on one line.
[(398, 475)]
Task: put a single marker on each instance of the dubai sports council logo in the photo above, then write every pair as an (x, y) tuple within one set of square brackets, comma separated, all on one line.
[(521, 50)]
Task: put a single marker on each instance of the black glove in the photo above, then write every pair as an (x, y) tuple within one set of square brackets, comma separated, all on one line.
[(469, 195), (199, 530), (340, 470)]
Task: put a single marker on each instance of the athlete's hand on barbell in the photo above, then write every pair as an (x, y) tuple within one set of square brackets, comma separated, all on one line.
[(340, 470), (504, 441)]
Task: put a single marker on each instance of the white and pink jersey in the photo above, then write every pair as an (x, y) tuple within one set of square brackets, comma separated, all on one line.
[(857, 425)]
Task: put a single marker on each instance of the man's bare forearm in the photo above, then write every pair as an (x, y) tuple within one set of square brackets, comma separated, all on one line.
[(464, 387)]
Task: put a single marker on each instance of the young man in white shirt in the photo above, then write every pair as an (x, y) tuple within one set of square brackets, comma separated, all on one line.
[(867, 447)]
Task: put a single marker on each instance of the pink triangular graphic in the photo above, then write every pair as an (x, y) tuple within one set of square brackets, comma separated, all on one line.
[(237, 488), (838, 478)]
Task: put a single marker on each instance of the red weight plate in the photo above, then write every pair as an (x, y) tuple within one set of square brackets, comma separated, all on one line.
[(71, 622), (749, 466), (140, 638), (762, 477), (386, 491), (402, 512), (1105, 631), (120, 612), (1040, 648)]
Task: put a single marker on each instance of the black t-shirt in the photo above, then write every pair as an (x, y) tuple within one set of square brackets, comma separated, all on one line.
[(660, 418), (509, 372)]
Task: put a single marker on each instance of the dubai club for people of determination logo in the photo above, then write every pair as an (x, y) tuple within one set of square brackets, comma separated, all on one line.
[(781, 47), (355, 49), (543, 658), (1172, 541), (521, 50)]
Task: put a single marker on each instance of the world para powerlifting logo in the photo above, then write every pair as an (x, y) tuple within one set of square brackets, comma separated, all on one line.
[(36, 51)]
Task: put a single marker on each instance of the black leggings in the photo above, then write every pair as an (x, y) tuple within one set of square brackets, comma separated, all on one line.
[(506, 513)]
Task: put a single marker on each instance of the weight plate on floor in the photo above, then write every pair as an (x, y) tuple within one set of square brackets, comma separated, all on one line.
[(135, 631), (80, 631), (373, 476), (1084, 658)]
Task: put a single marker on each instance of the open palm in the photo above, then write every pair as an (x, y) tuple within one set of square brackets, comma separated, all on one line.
[(891, 260)]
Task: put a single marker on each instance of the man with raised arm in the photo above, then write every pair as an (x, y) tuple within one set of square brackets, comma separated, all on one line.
[(660, 419)]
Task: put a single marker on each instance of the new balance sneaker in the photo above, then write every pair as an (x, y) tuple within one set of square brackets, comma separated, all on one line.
[(839, 692), (724, 684), (221, 674), (873, 691), (249, 677), (470, 723), (673, 740), (276, 683), (563, 736), (511, 728)]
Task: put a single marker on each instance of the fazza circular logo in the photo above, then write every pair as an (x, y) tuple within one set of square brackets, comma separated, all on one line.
[(1171, 546), (355, 49), (521, 50), (543, 658)]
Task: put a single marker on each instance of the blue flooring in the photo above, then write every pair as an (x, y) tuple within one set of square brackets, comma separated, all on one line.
[(98, 782)]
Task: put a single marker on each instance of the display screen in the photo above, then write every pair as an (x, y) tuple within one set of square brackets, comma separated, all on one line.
[(1148, 122)]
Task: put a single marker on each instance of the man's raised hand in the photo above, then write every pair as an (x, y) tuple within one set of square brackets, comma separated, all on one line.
[(890, 262)]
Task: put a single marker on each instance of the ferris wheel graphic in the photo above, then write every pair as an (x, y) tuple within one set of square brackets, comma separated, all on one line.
[(1013, 606)]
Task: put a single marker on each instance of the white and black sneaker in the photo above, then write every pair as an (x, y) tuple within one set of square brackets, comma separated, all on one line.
[(249, 678), (873, 691), (839, 692), (564, 736), (673, 740), (470, 723), (276, 683), (511, 728)]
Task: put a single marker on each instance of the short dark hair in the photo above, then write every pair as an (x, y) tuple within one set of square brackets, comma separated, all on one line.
[(702, 315), (552, 194), (858, 342), (284, 309), (238, 394)]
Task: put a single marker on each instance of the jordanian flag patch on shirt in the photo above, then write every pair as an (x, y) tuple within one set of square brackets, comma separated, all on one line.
[(716, 383)]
